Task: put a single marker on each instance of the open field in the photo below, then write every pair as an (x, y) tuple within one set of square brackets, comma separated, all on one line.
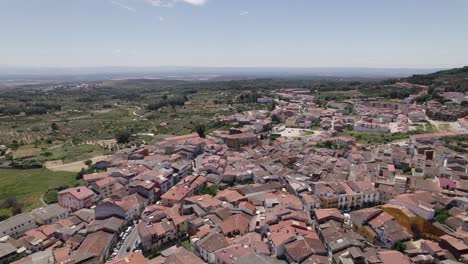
[(70, 154), (58, 165), (27, 186)]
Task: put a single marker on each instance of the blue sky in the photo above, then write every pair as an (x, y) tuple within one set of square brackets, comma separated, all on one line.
[(274, 33)]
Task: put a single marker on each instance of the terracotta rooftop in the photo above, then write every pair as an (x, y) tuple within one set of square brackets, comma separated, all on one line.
[(133, 258), (95, 176), (321, 214), (79, 193)]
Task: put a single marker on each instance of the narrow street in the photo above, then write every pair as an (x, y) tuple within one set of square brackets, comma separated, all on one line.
[(129, 242)]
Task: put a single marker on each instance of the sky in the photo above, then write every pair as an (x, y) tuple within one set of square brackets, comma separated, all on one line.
[(234, 33)]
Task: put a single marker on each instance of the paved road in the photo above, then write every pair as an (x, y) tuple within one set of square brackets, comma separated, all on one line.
[(132, 238)]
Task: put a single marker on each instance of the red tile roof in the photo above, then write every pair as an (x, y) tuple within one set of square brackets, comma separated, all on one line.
[(79, 193), (133, 258)]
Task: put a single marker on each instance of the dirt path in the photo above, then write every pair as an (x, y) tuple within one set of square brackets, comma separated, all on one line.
[(72, 167), (135, 112), (42, 199)]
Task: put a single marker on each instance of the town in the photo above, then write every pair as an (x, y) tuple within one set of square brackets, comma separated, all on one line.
[(360, 180)]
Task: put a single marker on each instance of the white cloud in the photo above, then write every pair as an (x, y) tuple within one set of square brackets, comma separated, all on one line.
[(195, 2), (161, 19), (126, 7), (244, 13), (171, 3)]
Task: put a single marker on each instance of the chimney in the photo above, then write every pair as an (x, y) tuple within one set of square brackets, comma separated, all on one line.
[(78, 190)]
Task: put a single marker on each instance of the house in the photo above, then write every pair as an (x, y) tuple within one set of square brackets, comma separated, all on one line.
[(324, 215), (185, 188), (417, 116), (238, 141), (455, 245), (285, 232), (234, 225), (136, 258), (208, 245), (230, 196), (94, 177), (17, 225), (108, 187), (124, 208), (392, 256), (434, 249), (228, 255), (247, 208), (363, 126), (183, 256), (365, 193), (7, 253), (416, 204), (49, 214), (98, 245), (37, 257), (388, 230), (343, 141), (155, 235), (299, 250), (258, 258), (111, 225), (310, 201), (147, 189), (205, 202), (359, 220), (264, 100), (76, 198)]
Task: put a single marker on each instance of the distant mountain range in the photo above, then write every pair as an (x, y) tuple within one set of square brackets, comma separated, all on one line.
[(47, 74)]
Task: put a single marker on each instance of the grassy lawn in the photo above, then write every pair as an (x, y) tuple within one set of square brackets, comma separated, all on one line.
[(374, 138), (27, 186), (186, 244)]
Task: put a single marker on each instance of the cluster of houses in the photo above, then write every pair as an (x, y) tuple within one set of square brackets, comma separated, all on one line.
[(237, 196), (362, 115)]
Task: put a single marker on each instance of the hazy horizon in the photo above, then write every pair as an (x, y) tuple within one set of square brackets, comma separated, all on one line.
[(242, 33)]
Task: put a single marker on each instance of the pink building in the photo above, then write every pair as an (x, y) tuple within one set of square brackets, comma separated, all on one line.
[(76, 198)]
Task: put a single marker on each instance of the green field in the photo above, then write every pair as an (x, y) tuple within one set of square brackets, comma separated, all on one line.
[(374, 138), (27, 186), (74, 153)]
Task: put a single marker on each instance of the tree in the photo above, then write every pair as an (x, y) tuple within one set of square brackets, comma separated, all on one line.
[(200, 129), (272, 106), (123, 136), (399, 246), (349, 108), (275, 119), (54, 126), (80, 174), (441, 215), (211, 190), (14, 145), (15, 206), (88, 162)]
